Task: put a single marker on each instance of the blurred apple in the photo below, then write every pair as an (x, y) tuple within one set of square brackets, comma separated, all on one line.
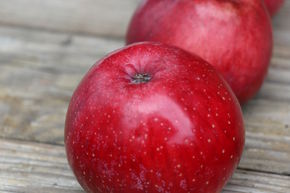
[(234, 36), (273, 6)]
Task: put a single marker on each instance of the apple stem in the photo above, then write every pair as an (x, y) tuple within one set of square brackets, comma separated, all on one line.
[(140, 78)]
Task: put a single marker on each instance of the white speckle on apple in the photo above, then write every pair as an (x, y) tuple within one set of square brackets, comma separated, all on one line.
[(183, 184)]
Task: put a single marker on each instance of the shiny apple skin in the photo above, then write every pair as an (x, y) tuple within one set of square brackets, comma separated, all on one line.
[(234, 36), (273, 6), (182, 131)]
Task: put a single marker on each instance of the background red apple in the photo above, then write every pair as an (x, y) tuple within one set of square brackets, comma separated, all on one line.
[(153, 118), (273, 6), (234, 36)]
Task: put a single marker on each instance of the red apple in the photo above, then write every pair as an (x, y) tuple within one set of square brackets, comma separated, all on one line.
[(151, 118), (234, 36), (273, 6)]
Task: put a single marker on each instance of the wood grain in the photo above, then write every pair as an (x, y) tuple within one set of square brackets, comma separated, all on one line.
[(38, 72), (94, 17), (33, 167)]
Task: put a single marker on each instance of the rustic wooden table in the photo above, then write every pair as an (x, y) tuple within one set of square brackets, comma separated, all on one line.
[(45, 49)]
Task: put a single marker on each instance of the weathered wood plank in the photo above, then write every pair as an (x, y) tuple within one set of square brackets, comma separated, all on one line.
[(39, 71), (109, 17), (97, 17), (34, 167)]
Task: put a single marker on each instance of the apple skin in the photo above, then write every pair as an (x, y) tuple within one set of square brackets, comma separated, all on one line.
[(273, 6), (152, 118), (233, 36)]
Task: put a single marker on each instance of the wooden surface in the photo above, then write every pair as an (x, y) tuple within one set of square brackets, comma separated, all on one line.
[(45, 49), (35, 167)]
